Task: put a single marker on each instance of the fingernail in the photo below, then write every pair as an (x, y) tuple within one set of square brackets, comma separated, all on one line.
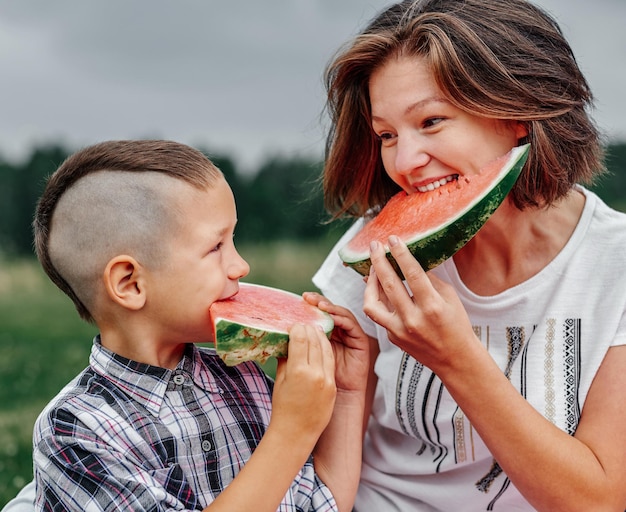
[(373, 245), (393, 240)]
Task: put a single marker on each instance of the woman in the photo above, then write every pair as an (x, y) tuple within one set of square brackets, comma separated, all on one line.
[(500, 377)]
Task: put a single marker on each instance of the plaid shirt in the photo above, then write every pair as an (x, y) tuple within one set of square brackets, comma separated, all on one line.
[(129, 436)]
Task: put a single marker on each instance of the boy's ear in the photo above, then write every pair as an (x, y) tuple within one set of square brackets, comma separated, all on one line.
[(124, 282)]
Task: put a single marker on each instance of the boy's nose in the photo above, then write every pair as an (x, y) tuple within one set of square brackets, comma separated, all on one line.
[(238, 267)]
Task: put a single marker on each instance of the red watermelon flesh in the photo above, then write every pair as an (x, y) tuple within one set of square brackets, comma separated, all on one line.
[(254, 323), (436, 224)]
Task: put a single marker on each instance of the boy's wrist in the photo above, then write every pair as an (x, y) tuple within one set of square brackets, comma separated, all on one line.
[(291, 436)]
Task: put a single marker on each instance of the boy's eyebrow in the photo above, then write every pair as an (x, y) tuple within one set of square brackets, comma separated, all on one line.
[(222, 231), (219, 233)]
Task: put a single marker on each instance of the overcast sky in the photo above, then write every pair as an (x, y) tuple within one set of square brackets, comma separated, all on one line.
[(238, 77)]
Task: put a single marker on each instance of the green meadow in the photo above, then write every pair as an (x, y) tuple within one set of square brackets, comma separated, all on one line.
[(43, 343)]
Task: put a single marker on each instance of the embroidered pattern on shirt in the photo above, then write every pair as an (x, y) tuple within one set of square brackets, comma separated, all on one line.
[(548, 365), (515, 337), (571, 340)]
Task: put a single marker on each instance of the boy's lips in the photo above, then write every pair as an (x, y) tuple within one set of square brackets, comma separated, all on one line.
[(231, 295)]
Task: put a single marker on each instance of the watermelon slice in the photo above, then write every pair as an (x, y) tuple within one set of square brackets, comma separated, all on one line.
[(436, 224), (253, 325)]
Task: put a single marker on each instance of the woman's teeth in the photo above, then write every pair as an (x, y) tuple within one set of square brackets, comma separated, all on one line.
[(435, 184)]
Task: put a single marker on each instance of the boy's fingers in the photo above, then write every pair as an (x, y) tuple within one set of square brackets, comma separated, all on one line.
[(314, 349), (303, 339), (297, 343), (309, 344), (327, 350), (280, 367)]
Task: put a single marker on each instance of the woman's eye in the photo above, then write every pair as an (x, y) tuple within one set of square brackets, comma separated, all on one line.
[(432, 121), (385, 137)]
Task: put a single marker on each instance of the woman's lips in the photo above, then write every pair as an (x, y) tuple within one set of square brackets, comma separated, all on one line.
[(435, 184)]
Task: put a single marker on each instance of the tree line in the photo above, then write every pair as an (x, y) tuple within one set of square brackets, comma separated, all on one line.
[(281, 200)]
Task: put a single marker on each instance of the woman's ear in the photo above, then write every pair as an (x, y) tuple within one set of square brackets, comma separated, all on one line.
[(521, 130), (124, 282)]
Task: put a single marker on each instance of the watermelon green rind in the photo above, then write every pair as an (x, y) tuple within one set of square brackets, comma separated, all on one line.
[(436, 245), (242, 343), (242, 336)]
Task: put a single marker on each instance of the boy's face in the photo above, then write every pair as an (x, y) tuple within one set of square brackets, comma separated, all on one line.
[(202, 265)]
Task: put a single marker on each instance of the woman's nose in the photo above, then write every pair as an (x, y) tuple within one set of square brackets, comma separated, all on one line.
[(410, 155)]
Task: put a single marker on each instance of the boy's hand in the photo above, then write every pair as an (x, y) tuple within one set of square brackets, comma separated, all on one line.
[(304, 389), (350, 345), (338, 453)]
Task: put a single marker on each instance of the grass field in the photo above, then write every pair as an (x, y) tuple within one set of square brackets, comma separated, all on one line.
[(43, 343)]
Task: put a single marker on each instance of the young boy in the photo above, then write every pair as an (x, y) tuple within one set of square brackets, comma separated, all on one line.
[(140, 235)]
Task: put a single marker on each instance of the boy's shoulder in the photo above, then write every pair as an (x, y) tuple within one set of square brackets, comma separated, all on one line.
[(73, 389), (113, 388)]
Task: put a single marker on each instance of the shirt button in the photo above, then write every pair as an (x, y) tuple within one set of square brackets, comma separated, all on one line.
[(179, 379), (206, 445)]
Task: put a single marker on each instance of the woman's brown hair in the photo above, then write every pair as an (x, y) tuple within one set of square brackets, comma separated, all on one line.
[(503, 59)]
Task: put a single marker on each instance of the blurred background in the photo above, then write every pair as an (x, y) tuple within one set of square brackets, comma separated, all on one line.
[(243, 82)]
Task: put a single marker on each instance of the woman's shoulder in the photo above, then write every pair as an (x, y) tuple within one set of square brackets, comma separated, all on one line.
[(333, 274), (604, 219)]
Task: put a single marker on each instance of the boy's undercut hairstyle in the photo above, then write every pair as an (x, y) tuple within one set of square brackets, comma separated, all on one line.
[(502, 59), (112, 198)]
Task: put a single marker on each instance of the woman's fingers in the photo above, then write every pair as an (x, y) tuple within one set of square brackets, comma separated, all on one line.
[(373, 305), (385, 274), (387, 296), (414, 274)]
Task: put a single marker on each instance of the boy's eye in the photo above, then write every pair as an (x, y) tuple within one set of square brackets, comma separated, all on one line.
[(217, 247)]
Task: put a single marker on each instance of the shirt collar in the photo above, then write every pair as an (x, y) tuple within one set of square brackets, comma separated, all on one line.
[(147, 384)]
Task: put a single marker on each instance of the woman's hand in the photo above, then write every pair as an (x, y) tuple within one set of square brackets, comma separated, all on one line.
[(427, 320), (350, 345)]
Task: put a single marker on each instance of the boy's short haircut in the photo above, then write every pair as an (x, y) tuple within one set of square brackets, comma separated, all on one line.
[(112, 198)]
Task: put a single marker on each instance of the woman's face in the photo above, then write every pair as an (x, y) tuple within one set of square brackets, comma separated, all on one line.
[(425, 140)]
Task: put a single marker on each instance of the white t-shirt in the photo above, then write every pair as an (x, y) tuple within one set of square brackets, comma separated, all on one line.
[(548, 334), (24, 501)]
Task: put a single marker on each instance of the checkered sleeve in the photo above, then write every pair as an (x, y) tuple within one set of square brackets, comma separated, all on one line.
[(310, 493), (77, 471), (128, 436)]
